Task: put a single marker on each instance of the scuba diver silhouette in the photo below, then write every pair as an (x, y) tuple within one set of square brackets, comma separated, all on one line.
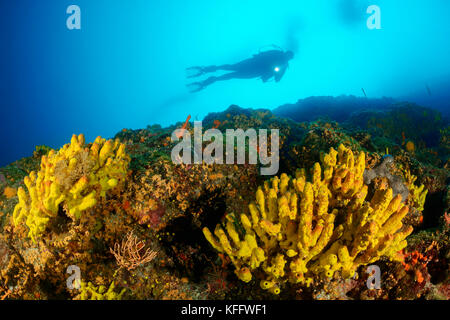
[(264, 65)]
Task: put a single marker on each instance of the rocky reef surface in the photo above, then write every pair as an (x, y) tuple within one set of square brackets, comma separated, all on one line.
[(371, 187)]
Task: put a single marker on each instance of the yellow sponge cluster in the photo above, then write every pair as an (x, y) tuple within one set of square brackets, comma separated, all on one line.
[(300, 230), (73, 178), (418, 194), (91, 292)]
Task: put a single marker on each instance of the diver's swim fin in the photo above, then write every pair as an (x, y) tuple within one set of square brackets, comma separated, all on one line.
[(195, 87), (193, 72)]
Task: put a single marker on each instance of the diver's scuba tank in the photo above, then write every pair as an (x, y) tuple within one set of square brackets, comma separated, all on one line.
[(273, 46)]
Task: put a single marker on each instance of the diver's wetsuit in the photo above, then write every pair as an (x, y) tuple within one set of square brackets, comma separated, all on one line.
[(264, 65)]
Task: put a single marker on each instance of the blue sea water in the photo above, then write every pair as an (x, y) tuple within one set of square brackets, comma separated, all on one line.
[(125, 68)]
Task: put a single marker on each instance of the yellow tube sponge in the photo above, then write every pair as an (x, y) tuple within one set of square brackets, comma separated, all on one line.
[(73, 178), (91, 292), (314, 226), (418, 194)]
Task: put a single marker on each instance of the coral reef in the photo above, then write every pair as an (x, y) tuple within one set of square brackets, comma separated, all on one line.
[(109, 206)]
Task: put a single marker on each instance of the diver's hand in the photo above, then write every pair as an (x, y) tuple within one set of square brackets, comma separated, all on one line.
[(280, 73)]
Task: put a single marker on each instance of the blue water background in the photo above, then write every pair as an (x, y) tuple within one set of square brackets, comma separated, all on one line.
[(125, 68)]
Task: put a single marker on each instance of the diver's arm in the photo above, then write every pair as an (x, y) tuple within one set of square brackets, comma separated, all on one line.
[(278, 75)]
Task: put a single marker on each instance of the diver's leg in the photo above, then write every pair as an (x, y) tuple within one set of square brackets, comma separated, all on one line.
[(242, 66), (193, 72), (227, 67), (197, 86)]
